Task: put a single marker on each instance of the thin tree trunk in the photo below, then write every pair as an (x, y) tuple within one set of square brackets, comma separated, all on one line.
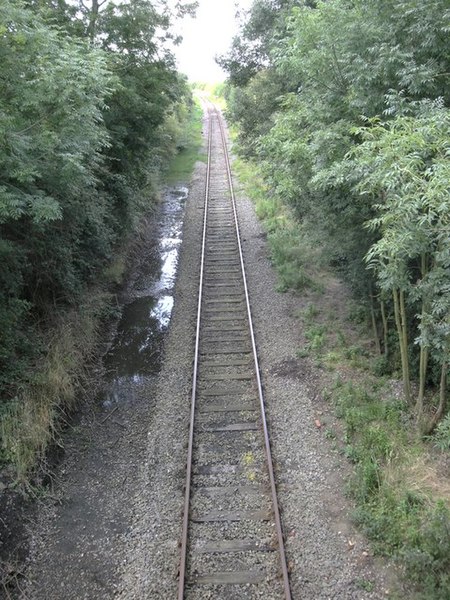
[(385, 328), (376, 337), (400, 321), (442, 399), (424, 352), (93, 20), (423, 364)]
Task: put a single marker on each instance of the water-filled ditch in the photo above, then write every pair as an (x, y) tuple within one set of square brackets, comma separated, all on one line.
[(136, 349)]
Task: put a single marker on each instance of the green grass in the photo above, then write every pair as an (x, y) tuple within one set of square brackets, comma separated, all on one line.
[(292, 252), (30, 423), (401, 499), (397, 506), (188, 151)]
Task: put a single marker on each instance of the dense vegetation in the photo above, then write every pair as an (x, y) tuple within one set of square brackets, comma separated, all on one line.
[(342, 107), (90, 112)]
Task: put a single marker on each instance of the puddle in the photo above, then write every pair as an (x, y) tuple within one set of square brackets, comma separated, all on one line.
[(135, 352)]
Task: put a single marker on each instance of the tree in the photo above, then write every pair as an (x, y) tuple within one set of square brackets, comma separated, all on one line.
[(308, 93), (82, 116), (406, 164)]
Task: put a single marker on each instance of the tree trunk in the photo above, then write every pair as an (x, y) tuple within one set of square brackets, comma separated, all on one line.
[(376, 337), (442, 399), (400, 321), (424, 351), (385, 328), (93, 15)]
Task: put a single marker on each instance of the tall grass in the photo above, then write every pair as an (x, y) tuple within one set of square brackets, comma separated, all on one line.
[(31, 421), (188, 149), (402, 502), (293, 252)]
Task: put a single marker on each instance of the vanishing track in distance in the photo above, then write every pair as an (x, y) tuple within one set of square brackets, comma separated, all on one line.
[(232, 542)]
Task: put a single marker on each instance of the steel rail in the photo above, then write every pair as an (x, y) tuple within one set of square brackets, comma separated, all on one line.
[(185, 526), (268, 454), (278, 526)]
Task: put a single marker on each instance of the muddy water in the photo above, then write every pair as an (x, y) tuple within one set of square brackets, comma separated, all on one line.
[(135, 352)]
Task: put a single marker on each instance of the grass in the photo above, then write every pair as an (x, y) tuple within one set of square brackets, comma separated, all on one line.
[(293, 253), (188, 150), (441, 438), (402, 503), (30, 422)]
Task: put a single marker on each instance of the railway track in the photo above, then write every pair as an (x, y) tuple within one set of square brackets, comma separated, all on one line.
[(232, 542)]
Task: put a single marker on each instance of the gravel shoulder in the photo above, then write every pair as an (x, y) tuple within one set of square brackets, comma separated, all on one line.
[(122, 501)]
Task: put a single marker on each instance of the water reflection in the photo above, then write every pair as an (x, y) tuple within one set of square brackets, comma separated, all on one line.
[(136, 349)]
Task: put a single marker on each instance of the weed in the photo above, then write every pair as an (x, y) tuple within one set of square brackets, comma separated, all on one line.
[(365, 584), (288, 256), (341, 339), (330, 434), (316, 336), (381, 365), (332, 358), (303, 353), (357, 314), (114, 273), (309, 313), (427, 560), (441, 438), (400, 521), (354, 352)]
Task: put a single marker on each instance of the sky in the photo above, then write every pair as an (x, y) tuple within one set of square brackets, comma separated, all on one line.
[(209, 34)]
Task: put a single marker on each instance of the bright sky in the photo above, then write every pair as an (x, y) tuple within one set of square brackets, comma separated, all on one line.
[(209, 34)]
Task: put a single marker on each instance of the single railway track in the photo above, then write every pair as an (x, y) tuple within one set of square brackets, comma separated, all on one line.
[(232, 541)]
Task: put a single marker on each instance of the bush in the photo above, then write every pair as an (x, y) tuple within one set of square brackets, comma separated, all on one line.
[(428, 560), (288, 256), (442, 434)]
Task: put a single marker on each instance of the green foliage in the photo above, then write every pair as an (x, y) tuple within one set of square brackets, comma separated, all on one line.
[(52, 96), (52, 138), (400, 522), (91, 109), (345, 108), (189, 142), (15, 346), (428, 560), (287, 254), (441, 436), (316, 336), (292, 251), (250, 51), (419, 536)]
